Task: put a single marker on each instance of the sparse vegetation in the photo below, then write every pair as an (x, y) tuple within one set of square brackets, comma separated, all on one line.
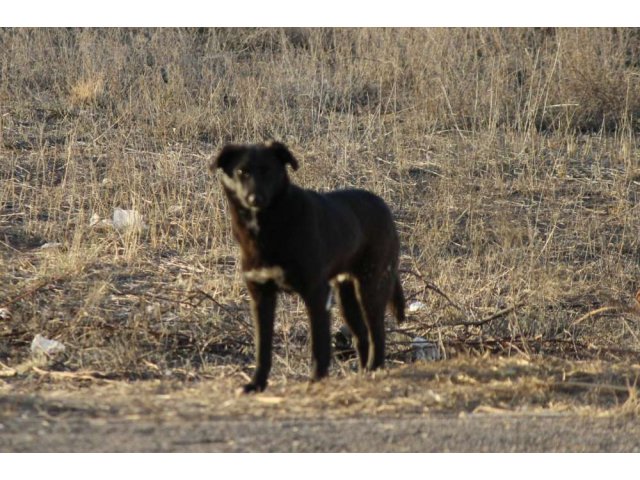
[(509, 157)]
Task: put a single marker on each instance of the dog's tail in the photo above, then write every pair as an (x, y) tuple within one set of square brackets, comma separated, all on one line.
[(397, 301)]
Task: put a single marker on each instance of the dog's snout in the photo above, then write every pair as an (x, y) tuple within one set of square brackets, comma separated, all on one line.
[(255, 199)]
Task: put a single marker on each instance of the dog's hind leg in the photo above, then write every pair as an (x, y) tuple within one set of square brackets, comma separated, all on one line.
[(374, 294), (396, 302), (316, 303), (352, 313)]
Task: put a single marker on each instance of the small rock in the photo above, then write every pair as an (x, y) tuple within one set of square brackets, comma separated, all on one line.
[(416, 306), (126, 219), (422, 349), (45, 346), (50, 245)]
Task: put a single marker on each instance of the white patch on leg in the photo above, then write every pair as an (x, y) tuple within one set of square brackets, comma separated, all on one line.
[(344, 277), (329, 301)]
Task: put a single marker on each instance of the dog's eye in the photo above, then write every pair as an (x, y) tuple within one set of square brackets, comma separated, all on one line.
[(243, 173)]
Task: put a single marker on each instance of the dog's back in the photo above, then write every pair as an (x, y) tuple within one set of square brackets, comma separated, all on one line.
[(358, 224), (381, 237)]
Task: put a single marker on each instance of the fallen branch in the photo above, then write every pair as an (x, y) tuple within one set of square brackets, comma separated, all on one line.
[(592, 313)]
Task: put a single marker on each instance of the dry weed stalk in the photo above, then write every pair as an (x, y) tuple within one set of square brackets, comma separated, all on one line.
[(632, 307)]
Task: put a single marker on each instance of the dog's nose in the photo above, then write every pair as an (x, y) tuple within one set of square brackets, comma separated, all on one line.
[(254, 199)]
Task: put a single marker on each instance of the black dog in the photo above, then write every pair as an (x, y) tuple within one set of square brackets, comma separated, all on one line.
[(303, 241)]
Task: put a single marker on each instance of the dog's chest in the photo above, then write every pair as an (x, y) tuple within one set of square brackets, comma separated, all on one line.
[(262, 275), (263, 237), (248, 222), (264, 257)]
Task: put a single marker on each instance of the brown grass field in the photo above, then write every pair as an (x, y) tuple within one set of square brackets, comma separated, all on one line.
[(509, 158)]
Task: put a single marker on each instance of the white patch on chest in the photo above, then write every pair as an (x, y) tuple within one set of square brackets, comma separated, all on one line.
[(252, 224), (267, 274)]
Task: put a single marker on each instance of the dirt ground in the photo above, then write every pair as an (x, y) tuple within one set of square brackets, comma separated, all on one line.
[(462, 405)]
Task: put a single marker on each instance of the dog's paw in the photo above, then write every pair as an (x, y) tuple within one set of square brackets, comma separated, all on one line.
[(251, 388)]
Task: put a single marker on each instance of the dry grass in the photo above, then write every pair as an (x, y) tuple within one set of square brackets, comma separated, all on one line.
[(509, 157), (465, 385)]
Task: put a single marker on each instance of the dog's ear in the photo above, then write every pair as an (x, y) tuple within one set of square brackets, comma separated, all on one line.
[(226, 158), (283, 153)]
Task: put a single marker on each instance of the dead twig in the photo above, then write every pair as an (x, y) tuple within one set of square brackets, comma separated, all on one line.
[(7, 371), (409, 332), (431, 286), (86, 375), (188, 302), (620, 306), (30, 291), (478, 323), (205, 294), (592, 313), (495, 316)]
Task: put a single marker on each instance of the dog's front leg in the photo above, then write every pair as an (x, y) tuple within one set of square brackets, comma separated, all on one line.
[(263, 304), (316, 303)]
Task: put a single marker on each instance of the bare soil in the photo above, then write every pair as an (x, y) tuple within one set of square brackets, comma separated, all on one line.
[(468, 404)]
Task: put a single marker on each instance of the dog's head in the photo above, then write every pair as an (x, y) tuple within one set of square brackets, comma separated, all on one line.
[(255, 174)]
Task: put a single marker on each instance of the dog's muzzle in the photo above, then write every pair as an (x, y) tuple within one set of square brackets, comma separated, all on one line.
[(255, 200)]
